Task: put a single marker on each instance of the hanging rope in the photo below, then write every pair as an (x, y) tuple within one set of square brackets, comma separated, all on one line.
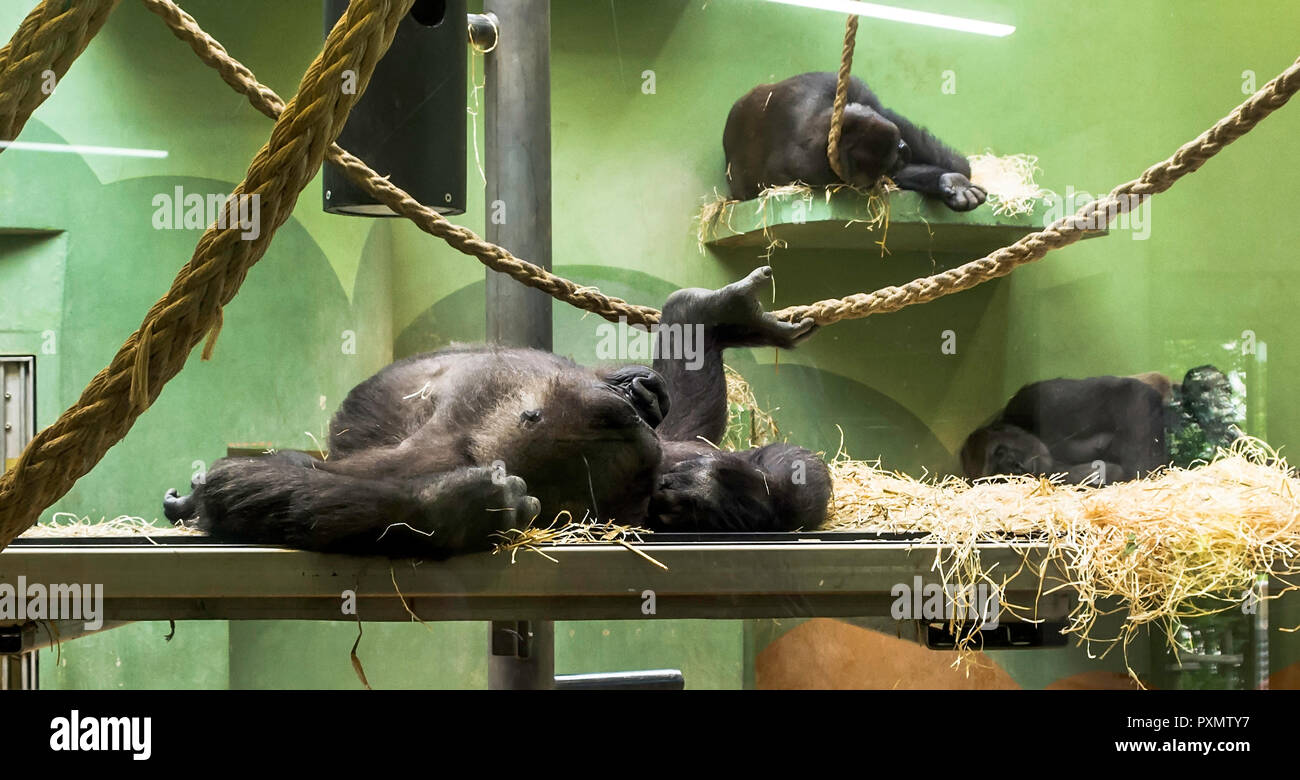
[(116, 396), (842, 96), (47, 42)]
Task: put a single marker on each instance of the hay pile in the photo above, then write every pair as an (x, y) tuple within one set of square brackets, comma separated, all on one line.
[(1180, 544), (748, 424), (563, 529), (719, 211), (66, 525), (1009, 182)]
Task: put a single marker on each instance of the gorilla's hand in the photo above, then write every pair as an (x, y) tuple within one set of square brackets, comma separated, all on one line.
[(484, 501), (734, 315), (644, 389), (959, 194), (710, 493)]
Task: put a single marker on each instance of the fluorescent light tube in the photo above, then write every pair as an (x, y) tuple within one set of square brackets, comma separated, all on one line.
[(112, 151), (907, 15)]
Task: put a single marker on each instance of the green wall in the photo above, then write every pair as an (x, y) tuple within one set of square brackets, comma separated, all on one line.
[(1097, 93)]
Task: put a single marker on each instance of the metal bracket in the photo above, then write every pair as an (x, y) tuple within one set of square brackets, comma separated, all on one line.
[(484, 32)]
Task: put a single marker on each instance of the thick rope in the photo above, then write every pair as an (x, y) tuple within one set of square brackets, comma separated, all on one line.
[(462, 239), (51, 37), (63, 452), (1067, 230), (842, 96)]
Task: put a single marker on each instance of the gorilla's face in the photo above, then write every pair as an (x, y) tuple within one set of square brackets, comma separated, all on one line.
[(1207, 394), (1013, 451), (583, 442), (871, 146)]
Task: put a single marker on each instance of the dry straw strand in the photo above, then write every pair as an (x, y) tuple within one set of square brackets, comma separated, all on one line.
[(1179, 544)]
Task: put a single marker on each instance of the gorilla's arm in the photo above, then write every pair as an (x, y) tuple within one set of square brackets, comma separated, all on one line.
[(779, 487), (934, 168)]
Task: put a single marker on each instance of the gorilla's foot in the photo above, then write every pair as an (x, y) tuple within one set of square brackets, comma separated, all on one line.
[(734, 315)]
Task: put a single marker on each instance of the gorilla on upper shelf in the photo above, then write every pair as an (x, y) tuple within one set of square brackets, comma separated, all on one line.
[(778, 134), (438, 453)]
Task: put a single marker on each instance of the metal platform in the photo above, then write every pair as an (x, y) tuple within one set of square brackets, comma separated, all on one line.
[(708, 577)]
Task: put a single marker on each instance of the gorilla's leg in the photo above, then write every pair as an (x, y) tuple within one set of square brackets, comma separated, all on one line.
[(278, 500), (779, 487), (697, 325), (179, 509)]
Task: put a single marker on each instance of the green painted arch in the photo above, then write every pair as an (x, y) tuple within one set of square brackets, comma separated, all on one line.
[(874, 425), (282, 363)]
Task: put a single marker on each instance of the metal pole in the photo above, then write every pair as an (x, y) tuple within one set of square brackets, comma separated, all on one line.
[(517, 163)]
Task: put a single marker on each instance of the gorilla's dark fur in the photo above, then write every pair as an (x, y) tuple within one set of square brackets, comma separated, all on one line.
[(778, 134), (1064, 426), (434, 454)]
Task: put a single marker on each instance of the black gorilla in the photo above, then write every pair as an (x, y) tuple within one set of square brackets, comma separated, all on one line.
[(778, 134), (1065, 426), (435, 453)]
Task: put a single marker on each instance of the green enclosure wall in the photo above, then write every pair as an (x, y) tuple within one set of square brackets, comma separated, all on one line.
[(640, 92)]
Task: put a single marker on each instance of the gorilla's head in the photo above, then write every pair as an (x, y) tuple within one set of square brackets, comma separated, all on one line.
[(1207, 397), (871, 146), (1004, 449), (583, 440), (1207, 394)]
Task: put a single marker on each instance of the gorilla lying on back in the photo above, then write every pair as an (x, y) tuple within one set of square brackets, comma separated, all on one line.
[(1072, 426), (779, 134), (436, 453)]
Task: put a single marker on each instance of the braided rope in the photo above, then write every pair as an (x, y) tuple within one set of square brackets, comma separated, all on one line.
[(460, 238), (50, 38), (117, 395), (1069, 229), (841, 96)]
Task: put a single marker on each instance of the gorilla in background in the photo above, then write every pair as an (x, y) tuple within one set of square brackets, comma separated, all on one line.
[(778, 134), (1070, 426), (1202, 416), (438, 452)]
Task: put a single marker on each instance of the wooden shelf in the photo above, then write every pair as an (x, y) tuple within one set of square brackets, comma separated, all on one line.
[(916, 224)]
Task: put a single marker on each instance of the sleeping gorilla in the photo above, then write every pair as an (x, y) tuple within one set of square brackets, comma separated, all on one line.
[(778, 134), (1065, 426), (436, 453)]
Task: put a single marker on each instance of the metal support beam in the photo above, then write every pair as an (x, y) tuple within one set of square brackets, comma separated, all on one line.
[(802, 577), (20, 672), (522, 655), (517, 163)]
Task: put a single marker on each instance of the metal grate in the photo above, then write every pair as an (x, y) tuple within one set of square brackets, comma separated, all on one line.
[(17, 406)]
